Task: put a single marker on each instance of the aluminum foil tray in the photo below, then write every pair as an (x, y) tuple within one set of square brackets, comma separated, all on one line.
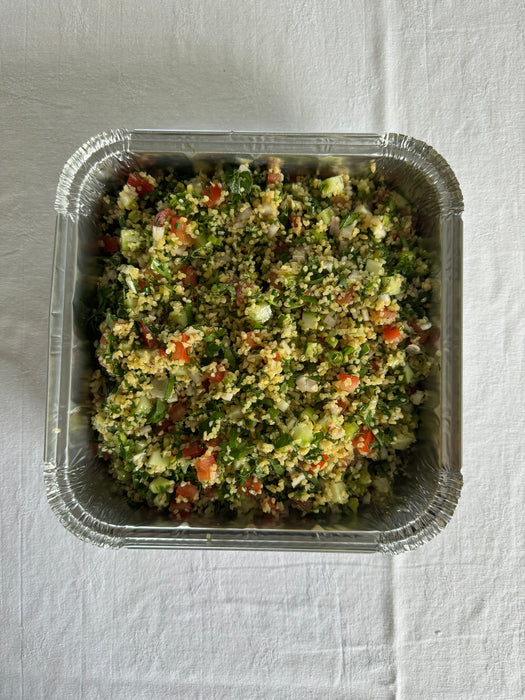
[(80, 490)]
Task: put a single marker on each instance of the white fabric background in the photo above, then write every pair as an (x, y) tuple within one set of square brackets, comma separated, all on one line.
[(441, 622)]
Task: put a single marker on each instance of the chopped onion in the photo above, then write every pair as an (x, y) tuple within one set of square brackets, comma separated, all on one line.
[(413, 349), (330, 321), (334, 226), (304, 383)]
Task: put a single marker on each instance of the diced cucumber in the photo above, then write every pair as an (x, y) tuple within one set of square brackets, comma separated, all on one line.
[(157, 462), (313, 350), (335, 492), (282, 405), (392, 285), (302, 434), (351, 430), (143, 406), (409, 374), (326, 215), (160, 484), (309, 321), (332, 341), (374, 267), (259, 312), (332, 186), (309, 412), (402, 441)]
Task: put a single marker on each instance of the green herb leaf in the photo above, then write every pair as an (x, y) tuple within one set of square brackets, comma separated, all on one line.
[(159, 411), (349, 220)]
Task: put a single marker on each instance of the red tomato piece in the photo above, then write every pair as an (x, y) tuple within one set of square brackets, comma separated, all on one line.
[(206, 467), (194, 449), (217, 375), (177, 226), (177, 411), (296, 221), (141, 184), (252, 339), (251, 486), (363, 440), (188, 491), (181, 510), (274, 178), (392, 334), (181, 351), (111, 244), (319, 465), (383, 316), (342, 405), (190, 275), (148, 338), (346, 298), (214, 193), (347, 382)]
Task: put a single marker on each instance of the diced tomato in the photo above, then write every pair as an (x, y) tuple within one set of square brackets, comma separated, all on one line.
[(252, 339), (383, 316), (161, 218), (194, 449), (188, 491), (274, 178), (296, 221), (277, 357), (342, 405), (375, 365), (209, 491), (181, 510), (214, 193), (392, 334), (177, 226), (190, 275), (216, 375), (347, 382), (320, 465), (111, 244), (215, 442), (206, 467), (251, 486), (363, 440), (240, 293), (346, 298), (272, 276), (163, 352), (181, 351), (148, 338), (177, 411), (431, 335), (141, 184)]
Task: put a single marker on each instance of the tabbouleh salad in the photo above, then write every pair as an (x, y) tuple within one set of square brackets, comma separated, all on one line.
[(263, 340)]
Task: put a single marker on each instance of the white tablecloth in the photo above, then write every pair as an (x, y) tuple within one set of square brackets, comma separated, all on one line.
[(440, 622)]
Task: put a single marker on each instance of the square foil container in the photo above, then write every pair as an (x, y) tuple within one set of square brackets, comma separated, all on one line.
[(80, 490)]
